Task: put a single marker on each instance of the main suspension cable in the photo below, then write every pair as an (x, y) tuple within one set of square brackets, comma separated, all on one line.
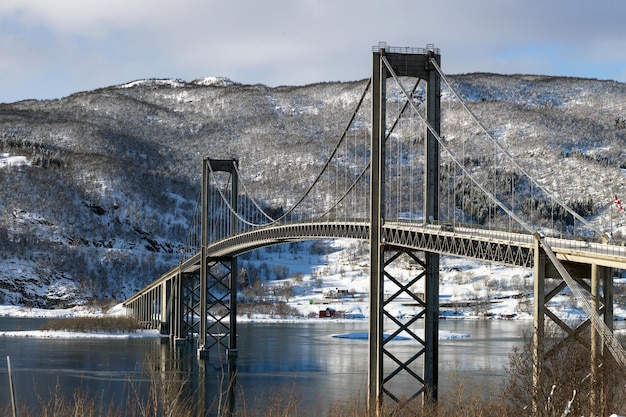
[(508, 155), (317, 179), (332, 155), (456, 161), (227, 203), (254, 202)]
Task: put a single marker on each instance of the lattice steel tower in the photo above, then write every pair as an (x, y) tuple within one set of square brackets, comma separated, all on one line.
[(403, 62)]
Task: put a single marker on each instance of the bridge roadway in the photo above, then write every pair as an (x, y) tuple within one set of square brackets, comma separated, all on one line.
[(501, 247)]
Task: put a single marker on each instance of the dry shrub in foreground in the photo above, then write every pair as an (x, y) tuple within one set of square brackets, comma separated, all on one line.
[(567, 383), (284, 403), (163, 395)]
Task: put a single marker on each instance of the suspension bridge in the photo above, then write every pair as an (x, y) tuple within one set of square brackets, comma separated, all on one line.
[(417, 175)]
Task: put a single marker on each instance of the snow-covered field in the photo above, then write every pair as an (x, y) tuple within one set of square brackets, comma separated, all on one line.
[(25, 312)]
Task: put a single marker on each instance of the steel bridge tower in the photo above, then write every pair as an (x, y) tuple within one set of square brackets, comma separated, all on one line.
[(218, 282), (416, 63), (218, 276)]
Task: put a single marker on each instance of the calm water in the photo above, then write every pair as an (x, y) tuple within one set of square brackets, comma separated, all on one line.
[(301, 358)]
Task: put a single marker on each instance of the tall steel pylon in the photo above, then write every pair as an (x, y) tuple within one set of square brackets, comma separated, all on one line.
[(218, 282), (411, 62)]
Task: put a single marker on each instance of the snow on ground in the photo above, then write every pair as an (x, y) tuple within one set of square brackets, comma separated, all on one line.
[(20, 311), (468, 289), (6, 160), (80, 311)]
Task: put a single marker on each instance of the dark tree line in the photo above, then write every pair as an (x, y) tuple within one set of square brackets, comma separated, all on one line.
[(514, 192)]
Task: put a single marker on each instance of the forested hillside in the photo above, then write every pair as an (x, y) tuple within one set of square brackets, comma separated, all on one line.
[(98, 189)]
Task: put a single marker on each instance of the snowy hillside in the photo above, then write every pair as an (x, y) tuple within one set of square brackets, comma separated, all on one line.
[(98, 189)]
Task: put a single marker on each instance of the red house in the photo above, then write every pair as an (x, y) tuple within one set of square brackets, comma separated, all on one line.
[(328, 313)]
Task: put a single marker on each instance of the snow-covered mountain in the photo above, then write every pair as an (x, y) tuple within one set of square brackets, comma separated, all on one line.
[(97, 189)]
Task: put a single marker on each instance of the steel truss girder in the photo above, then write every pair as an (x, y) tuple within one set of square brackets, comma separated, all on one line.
[(508, 248), (499, 251), (190, 305), (502, 252)]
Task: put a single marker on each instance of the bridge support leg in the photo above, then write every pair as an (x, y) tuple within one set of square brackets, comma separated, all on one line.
[(597, 282), (602, 303), (538, 323), (377, 159), (177, 309), (596, 346), (384, 65), (189, 288), (165, 306), (403, 382), (220, 308), (232, 353), (431, 328)]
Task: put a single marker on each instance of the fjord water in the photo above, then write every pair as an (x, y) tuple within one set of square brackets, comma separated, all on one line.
[(299, 359)]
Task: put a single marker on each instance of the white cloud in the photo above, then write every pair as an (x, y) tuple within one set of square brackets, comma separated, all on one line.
[(97, 43)]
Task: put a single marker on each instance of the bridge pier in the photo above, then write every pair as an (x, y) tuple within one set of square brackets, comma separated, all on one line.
[(597, 282), (189, 287), (218, 276), (600, 304), (218, 283), (538, 322), (410, 62), (176, 311)]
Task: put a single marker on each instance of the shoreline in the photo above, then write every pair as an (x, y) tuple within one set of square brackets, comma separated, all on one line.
[(64, 334)]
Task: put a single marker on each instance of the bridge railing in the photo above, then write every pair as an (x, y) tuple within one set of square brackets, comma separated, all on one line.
[(576, 243)]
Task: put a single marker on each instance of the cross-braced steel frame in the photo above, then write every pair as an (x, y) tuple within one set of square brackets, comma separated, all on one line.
[(411, 63), (218, 283), (219, 307), (597, 284), (218, 276), (189, 305), (405, 365)]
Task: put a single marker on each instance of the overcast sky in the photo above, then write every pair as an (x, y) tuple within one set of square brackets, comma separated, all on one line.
[(52, 48)]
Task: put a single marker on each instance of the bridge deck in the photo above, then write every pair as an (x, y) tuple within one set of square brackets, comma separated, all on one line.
[(506, 248)]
